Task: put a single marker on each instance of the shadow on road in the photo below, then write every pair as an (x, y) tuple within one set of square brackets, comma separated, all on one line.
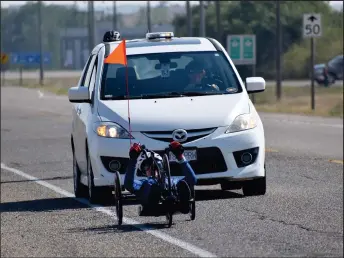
[(53, 204), (120, 229), (215, 194), (42, 205)]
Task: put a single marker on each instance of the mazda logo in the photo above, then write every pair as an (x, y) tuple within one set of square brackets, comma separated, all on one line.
[(180, 135)]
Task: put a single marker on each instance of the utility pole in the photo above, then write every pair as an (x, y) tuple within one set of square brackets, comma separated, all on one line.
[(189, 18), (278, 51), (218, 21), (114, 16), (312, 73), (40, 39), (91, 32), (149, 17), (202, 19)]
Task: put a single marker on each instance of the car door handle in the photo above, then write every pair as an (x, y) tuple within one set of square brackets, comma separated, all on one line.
[(78, 110)]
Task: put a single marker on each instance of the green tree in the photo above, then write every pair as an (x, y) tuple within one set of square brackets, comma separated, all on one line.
[(252, 17)]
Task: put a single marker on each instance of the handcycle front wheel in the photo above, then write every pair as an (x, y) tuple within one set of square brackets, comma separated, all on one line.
[(167, 171), (118, 198), (169, 219), (193, 204)]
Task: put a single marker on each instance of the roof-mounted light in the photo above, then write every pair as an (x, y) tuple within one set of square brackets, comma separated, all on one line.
[(111, 36), (159, 35)]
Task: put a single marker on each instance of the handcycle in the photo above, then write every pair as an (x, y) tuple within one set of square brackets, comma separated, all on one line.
[(167, 206)]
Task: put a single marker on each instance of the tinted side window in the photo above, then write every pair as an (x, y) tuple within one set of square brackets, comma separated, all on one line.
[(93, 77), (82, 82), (88, 74)]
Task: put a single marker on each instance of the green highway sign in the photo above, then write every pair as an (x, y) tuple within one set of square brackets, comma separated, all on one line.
[(242, 49), (235, 47)]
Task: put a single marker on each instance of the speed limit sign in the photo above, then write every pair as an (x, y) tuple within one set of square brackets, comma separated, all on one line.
[(312, 25)]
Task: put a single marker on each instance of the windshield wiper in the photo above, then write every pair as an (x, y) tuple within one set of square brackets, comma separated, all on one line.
[(163, 95), (122, 97), (200, 93)]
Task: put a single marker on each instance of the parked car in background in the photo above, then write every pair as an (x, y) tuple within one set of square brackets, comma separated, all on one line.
[(333, 70)]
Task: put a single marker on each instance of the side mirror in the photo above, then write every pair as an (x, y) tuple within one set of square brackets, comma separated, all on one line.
[(79, 95), (255, 84)]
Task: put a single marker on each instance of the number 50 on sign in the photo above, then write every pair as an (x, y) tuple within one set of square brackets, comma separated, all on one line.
[(312, 25)]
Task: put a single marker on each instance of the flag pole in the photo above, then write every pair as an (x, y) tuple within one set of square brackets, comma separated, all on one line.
[(127, 86)]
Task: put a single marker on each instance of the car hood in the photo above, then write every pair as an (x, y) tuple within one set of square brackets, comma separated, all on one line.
[(172, 113)]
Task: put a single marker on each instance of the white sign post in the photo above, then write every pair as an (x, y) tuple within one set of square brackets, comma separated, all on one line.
[(312, 29)]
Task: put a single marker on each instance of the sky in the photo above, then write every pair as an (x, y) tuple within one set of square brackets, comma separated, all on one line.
[(7, 3), (337, 4)]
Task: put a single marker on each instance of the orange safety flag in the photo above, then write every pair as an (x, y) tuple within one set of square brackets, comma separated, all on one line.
[(118, 56)]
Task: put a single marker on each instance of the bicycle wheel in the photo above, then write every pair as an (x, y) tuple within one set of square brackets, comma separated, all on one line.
[(193, 205), (167, 171), (118, 198), (169, 219)]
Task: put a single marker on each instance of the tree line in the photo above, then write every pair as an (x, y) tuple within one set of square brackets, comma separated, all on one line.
[(19, 30), (259, 18)]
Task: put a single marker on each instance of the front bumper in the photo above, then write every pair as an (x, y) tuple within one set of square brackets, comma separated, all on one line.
[(224, 144)]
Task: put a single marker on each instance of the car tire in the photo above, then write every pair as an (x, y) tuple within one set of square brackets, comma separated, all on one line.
[(255, 187), (229, 186), (80, 190), (93, 191)]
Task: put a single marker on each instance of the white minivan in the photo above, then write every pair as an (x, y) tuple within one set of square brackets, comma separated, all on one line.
[(180, 88)]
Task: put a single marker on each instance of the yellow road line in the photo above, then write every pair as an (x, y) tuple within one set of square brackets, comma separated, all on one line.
[(336, 161)]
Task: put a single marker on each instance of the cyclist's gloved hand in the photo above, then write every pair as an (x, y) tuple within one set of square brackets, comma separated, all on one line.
[(135, 151), (177, 149)]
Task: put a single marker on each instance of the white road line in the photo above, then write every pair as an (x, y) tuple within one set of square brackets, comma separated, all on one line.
[(175, 241)]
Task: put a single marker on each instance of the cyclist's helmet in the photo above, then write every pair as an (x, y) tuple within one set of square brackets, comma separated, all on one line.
[(144, 164)]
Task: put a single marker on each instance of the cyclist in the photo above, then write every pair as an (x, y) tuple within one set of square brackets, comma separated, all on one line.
[(148, 190)]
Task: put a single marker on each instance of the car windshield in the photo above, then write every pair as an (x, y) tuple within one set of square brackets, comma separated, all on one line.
[(175, 74)]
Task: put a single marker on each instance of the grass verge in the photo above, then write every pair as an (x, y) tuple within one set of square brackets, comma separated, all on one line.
[(296, 100)]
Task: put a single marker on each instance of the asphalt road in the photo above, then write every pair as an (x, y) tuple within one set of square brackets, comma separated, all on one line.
[(301, 214), (75, 74)]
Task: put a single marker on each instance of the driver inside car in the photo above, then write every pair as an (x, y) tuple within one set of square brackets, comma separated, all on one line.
[(147, 190), (197, 77)]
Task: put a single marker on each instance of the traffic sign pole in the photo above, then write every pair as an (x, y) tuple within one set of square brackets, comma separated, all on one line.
[(312, 29), (312, 74), (41, 73)]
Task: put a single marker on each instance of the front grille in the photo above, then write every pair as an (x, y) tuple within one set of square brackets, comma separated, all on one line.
[(209, 160), (166, 136)]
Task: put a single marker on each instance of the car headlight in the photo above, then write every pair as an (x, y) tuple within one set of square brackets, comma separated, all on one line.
[(111, 130), (242, 122)]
